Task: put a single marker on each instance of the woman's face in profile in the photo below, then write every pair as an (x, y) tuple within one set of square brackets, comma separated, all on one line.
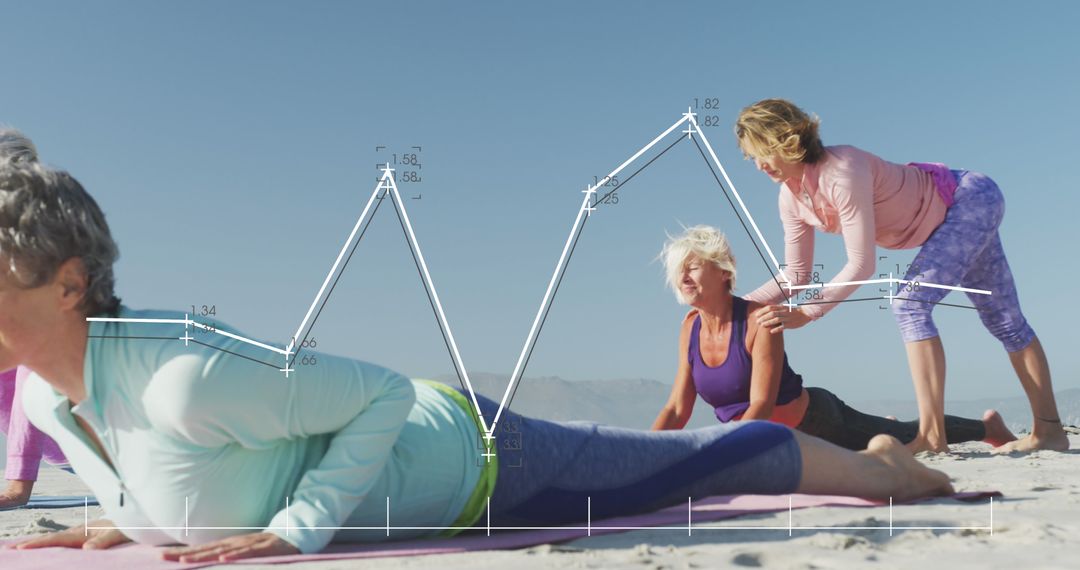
[(778, 169), (702, 280), (23, 315)]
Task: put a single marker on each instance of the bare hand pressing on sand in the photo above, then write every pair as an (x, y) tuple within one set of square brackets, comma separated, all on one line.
[(232, 548), (97, 538)]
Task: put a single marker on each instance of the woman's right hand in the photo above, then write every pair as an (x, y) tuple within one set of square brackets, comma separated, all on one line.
[(97, 538), (778, 318)]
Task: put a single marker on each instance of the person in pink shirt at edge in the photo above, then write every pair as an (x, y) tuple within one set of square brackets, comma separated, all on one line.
[(26, 446), (952, 215)]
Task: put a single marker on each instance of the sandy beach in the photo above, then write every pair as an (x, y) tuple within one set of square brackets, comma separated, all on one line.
[(1035, 525)]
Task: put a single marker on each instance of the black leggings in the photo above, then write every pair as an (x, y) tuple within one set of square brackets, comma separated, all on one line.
[(829, 418)]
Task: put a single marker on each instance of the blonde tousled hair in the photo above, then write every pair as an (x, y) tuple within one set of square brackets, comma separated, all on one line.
[(777, 127), (701, 242)]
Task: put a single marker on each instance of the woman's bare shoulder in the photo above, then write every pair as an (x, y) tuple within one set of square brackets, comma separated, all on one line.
[(752, 306)]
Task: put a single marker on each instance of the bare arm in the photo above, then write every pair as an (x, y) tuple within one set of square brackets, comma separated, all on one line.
[(767, 354), (16, 494), (676, 412), (852, 193), (798, 254)]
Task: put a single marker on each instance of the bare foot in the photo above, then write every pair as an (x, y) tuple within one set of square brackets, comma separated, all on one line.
[(920, 443), (1056, 440), (908, 479), (997, 433)]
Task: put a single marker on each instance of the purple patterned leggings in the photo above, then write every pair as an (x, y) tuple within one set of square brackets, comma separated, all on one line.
[(966, 250)]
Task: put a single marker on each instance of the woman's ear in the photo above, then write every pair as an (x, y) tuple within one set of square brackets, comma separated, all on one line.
[(71, 281)]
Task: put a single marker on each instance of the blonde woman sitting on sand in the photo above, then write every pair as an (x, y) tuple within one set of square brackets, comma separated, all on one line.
[(728, 358)]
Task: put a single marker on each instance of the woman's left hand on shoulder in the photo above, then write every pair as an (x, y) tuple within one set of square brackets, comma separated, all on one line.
[(776, 318), (232, 548)]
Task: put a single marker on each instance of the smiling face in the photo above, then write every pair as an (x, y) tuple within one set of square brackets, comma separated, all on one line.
[(703, 282)]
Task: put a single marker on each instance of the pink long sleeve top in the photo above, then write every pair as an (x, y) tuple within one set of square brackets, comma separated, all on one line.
[(26, 445), (863, 198)]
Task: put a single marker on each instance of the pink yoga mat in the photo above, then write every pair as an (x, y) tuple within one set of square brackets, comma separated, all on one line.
[(711, 509)]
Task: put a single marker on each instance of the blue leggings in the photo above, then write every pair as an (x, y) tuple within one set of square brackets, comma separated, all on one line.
[(966, 250), (548, 471)]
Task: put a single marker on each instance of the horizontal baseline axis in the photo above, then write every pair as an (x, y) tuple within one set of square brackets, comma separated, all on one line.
[(517, 528)]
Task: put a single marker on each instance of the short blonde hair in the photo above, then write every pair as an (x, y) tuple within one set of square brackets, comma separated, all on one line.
[(704, 243), (779, 127)]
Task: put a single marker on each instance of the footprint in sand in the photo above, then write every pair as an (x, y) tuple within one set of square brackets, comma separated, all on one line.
[(748, 559), (835, 541), (42, 525)]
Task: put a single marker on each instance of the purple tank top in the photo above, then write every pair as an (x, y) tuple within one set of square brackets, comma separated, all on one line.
[(727, 387)]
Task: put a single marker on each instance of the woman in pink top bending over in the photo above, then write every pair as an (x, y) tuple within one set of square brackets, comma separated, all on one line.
[(951, 215), (25, 444)]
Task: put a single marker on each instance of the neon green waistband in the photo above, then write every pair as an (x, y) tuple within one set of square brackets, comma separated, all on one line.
[(477, 503)]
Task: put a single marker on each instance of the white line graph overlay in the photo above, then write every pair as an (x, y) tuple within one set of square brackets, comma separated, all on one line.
[(388, 187), (589, 527), (890, 280)]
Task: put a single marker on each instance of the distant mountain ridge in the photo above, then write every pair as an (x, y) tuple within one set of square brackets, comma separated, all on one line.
[(634, 403)]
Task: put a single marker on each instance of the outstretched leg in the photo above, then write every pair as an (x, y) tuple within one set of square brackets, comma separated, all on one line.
[(965, 249), (565, 469), (886, 469), (829, 418), (926, 358), (1034, 372), (1001, 315)]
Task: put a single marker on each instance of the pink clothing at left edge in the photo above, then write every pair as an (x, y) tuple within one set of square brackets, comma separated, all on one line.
[(865, 199), (26, 445)]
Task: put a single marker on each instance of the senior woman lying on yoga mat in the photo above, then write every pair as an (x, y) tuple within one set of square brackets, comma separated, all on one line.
[(188, 444), (729, 358)]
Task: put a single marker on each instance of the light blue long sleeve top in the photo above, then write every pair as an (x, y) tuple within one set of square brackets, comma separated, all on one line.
[(210, 439)]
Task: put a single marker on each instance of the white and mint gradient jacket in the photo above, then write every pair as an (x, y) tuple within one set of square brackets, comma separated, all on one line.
[(206, 444)]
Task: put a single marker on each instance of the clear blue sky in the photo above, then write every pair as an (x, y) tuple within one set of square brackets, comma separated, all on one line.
[(232, 146)]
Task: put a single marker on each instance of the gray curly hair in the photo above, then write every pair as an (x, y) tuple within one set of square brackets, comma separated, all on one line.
[(46, 218), (15, 147)]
